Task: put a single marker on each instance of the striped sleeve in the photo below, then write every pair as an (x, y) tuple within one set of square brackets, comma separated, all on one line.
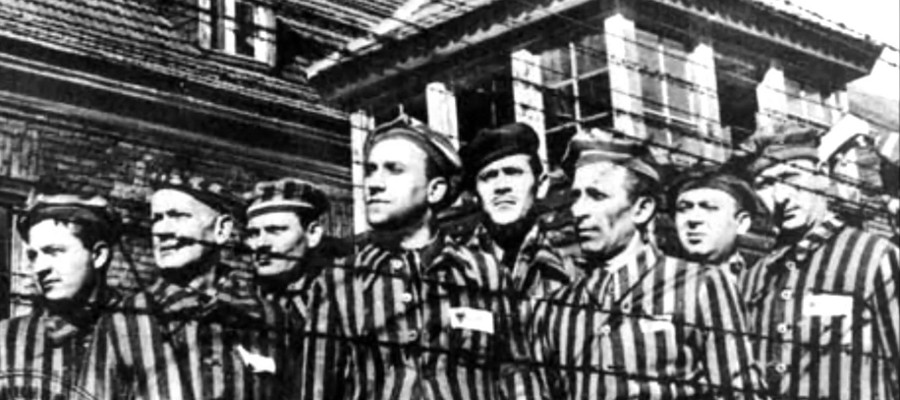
[(542, 351), (730, 365), (326, 362), (887, 305)]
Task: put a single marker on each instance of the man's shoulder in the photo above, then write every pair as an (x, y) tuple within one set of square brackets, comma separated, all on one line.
[(16, 321)]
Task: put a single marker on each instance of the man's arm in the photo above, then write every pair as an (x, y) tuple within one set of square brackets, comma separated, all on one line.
[(731, 368)]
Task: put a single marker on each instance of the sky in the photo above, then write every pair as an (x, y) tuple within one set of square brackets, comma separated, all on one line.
[(881, 20)]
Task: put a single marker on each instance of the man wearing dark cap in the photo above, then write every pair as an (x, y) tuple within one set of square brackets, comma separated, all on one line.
[(416, 315), (824, 304), (69, 240), (640, 324), (503, 168), (198, 331), (711, 210)]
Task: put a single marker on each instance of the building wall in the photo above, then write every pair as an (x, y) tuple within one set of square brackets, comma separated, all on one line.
[(120, 162)]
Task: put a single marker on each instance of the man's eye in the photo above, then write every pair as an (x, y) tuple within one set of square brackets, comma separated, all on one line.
[(596, 194), (487, 175), (31, 255), (369, 169)]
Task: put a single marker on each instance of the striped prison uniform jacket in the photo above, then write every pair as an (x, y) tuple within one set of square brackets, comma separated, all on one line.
[(212, 339), (827, 311), (429, 324), (650, 327), (44, 355), (538, 267)]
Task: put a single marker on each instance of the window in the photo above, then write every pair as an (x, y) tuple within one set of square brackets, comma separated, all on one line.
[(576, 91), (244, 28), (808, 103), (669, 96), (737, 77)]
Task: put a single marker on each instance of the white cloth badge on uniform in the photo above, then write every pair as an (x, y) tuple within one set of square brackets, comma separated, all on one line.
[(472, 319), (827, 305), (656, 323), (256, 362)]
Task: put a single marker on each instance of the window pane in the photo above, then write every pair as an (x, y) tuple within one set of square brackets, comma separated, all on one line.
[(679, 101), (560, 106), (594, 95), (794, 97), (245, 28), (556, 65), (591, 54)]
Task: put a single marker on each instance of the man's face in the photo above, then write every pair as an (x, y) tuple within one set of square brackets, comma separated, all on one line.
[(708, 223), (62, 266), (507, 188), (790, 190), (176, 215), (602, 209), (279, 233), (395, 183)]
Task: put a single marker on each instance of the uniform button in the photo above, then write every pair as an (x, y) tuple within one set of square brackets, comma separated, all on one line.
[(396, 264), (780, 368), (790, 265), (406, 297), (604, 330), (412, 336), (786, 294), (626, 306), (783, 328)]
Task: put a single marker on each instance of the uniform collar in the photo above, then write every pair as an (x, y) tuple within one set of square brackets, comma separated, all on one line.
[(627, 268), (800, 251), (64, 324)]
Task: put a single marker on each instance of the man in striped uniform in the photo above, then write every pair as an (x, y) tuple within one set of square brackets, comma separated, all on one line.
[(414, 315), (825, 303), (712, 209), (640, 324), (198, 331), (283, 231), (69, 240), (503, 168)]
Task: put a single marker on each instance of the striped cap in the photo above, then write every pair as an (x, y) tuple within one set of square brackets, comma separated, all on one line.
[(287, 194), (599, 145), (436, 145), (766, 148), (79, 208), (205, 190)]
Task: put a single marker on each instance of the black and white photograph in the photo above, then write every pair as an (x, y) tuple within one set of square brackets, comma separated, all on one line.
[(449, 199)]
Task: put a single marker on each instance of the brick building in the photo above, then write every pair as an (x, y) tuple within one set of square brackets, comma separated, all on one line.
[(108, 93)]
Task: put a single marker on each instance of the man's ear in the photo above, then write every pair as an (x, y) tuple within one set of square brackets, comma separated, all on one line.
[(101, 255), (745, 221), (314, 233), (224, 225), (643, 210), (437, 190)]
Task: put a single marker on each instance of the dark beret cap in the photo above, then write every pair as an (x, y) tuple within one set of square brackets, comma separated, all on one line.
[(700, 178), (490, 145), (599, 145), (766, 148)]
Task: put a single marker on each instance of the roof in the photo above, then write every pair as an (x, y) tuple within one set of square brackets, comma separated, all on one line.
[(136, 33), (396, 20)]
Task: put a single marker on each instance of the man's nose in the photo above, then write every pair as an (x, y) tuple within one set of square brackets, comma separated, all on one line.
[(40, 266)]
